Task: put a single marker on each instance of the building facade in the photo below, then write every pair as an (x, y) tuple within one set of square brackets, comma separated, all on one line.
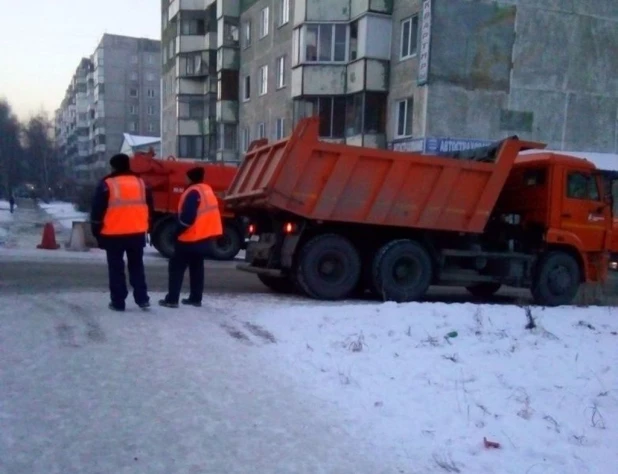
[(115, 91), (417, 75)]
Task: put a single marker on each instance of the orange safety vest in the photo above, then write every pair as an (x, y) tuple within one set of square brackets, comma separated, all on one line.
[(208, 220), (127, 209)]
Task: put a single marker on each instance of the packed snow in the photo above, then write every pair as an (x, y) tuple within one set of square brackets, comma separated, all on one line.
[(277, 382), (64, 213)]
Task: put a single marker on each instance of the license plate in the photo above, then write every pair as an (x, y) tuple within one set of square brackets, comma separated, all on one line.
[(254, 238)]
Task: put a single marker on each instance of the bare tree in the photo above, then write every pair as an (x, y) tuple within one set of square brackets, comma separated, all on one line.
[(11, 151)]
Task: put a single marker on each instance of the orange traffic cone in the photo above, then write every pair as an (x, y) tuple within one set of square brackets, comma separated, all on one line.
[(48, 242)]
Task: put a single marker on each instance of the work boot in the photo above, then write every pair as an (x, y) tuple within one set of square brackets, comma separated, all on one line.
[(115, 308), (145, 306), (190, 302), (167, 304)]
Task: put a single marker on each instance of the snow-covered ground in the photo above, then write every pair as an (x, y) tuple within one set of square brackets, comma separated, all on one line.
[(266, 384), (64, 213), (5, 218)]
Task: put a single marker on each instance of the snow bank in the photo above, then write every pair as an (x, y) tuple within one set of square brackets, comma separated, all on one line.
[(428, 382), (5, 211), (5, 218), (64, 213)]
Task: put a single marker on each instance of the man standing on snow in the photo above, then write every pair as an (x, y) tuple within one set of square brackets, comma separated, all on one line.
[(199, 221), (122, 209), (12, 203)]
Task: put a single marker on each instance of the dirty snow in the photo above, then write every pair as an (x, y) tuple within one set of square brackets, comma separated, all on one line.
[(265, 384), (64, 213)]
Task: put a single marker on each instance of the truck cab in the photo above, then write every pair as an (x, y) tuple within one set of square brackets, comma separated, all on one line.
[(562, 203)]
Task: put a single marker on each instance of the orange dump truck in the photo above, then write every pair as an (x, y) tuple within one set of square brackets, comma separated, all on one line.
[(330, 220)]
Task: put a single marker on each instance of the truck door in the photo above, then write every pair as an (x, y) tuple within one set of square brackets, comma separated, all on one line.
[(584, 211)]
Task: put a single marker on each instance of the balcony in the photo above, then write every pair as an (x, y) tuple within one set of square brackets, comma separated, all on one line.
[(195, 43), (319, 80)]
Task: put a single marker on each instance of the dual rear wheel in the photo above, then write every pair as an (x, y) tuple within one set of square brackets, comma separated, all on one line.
[(329, 267)]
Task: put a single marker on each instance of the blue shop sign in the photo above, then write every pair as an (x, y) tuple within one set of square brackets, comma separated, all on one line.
[(436, 146)]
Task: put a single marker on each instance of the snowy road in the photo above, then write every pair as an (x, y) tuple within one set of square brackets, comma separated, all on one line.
[(259, 384), (90, 391)]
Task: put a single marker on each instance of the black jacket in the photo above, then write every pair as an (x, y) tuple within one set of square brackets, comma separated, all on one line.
[(100, 201)]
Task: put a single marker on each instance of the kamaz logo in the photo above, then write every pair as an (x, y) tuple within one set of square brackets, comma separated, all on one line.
[(178, 190)]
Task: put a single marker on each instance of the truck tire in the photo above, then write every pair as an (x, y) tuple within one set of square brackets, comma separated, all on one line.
[(557, 279), (329, 267), (227, 246), (402, 271), (484, 289), (164, 239), (282, 285)]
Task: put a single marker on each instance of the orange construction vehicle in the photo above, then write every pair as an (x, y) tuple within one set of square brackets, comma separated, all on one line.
[(329, 220), (167, 178), (611, 178)]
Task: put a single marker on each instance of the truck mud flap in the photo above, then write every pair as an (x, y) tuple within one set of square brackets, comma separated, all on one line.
[(246, 267)]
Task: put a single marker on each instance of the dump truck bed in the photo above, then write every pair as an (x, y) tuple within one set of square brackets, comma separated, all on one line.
[(332, 182)]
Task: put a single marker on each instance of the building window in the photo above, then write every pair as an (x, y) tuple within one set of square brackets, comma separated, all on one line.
[(261, 133), (280, 72), (134, 59), (134, 76), (195, 27), (132, 127), (195, 106), (409, 37), (152, 59), (330, 110), (284, 12), (374, 112), (192, 64), (133, 110), (151, 110), (403, 123), (353, 40), (190, 146), (228, 138), (263, 80), (151, 127), (150, 76), (133, 92), (246, 93), (246, 138), (326, 42), (279, 128), (230, 34), (151, 93), (264, 22), (247, 34)]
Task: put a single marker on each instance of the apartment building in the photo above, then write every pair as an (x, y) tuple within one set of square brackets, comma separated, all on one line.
[(422, 75), (115, 91)]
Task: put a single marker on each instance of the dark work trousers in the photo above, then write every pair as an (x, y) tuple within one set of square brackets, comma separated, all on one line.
[(185, 256), (137, 275)]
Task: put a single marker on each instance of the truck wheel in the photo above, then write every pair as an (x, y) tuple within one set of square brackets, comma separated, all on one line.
[(484, 289), (402, 271), (329, 267), (227, 246), (165, 238), (278, 284), (557, 280)]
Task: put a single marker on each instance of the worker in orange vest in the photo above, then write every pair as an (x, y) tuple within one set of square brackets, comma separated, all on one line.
[(199, 221), (122, 209)]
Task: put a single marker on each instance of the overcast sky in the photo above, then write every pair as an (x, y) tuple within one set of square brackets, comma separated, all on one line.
[(42, 42)]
